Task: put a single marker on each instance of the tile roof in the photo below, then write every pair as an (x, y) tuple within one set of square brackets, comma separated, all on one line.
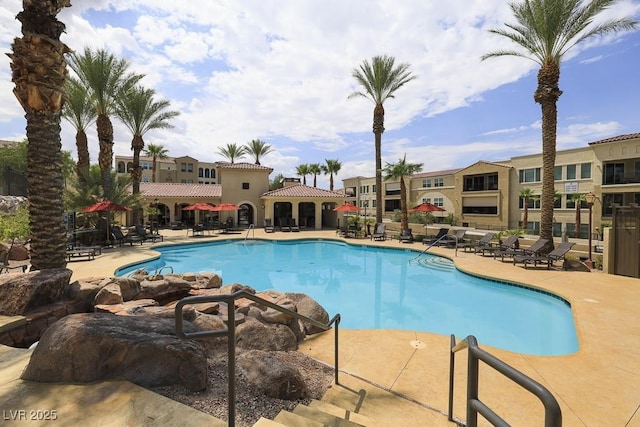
[(502, 165), (617, 138), (242, 166), (164, 189), (301, 190), (434, 173)]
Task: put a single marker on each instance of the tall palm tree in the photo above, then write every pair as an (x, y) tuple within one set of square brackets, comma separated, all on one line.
[(545, 30), (38, 71), (257, 148), (232, 152), (315, 169), (155, 151), (380, 79), (303, 170), (526, 194), (79, 111), (578, 199), (398, 171), (104, 76), (140, 113), (331, 167)]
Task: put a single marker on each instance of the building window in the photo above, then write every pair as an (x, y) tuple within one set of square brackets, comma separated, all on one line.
[(426, 183), (374, 188), (245, 185), (613, 173), (200, 173), (120, 167), (207, 173), (480, 210), (374, 203), (557, 173), (585, 170), (438, 201), (213, 173), (481, 182), (189, 167), (529, 175), (183, 167), (571, 171), (438, 182)]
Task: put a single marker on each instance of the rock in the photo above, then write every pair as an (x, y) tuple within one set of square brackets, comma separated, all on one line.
[(93, 347), (208, 323), (189, 313), (255, 335), (271, 376), (126, 306), (19, 252), (310, 308), (129, 287), (84, 289), (109, 294), (20, 293)]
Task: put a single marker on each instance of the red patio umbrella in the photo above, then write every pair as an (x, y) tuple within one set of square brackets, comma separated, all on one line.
[(199, 207), (347, 207), (426, 207), (226, 207), (105, 206)]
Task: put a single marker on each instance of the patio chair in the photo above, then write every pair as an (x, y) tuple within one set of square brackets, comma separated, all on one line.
[(148, 236), (473, 245), (118, 236), (284, 224), (430, 240), (5, 266), (534, 249), (559, 253), (379, 232), (509, 243), (452, 240), (405, 236), (268, 227), (293, 226)]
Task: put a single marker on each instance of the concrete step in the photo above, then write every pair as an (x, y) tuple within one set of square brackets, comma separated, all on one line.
[(294, 420), (344, 413), (325, 418), (265, 422)]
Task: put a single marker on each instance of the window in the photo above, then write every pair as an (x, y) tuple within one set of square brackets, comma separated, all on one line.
[(120, 167), (481, 182), (571, 204), (557, 202), (438, 201), (611, 199), (374, 202), (213, 173), (200, 173), (480, 210), (557, 173), (585, 170), (245, 185), (532, 203), (207, 173), (438, 182), (492, 182), (529, 175), (426, 200), (613, 173), (571, 171), (183, 167), (189, 167), (374, 188), (426, 183)]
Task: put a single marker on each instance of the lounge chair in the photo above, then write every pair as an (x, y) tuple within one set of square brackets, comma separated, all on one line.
[(150, 236), (284, 224), (6, 266), (534, 249), (430, 240), (452, 240), (118, 236), (473, 245), (268, 227), (557, 254), (509, 243), (379, 232), (293, 226), (406, 236)]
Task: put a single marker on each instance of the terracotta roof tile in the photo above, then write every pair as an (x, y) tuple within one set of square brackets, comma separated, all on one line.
[(303, 191), (194, 191), (434, 173), (243, 166), (617, 138)]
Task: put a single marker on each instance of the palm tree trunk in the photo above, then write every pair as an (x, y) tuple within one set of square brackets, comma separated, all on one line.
[(137, 144), (82, 167), (378, 130), (547, 95), (153, 169), (331, 182), (404, 222), (39, 72), (105, 157), (525, 215)]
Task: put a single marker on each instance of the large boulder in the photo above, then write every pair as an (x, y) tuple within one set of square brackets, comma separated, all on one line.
[(21, 293), (255, 335), (144, 350), (270, 375), (310, 308)]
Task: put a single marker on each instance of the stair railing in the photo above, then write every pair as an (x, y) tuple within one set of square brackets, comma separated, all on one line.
[(230, 333), (553, 415), (253, 232), (435, 242)]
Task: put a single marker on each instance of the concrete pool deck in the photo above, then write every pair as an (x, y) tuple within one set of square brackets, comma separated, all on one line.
[(596, 386)]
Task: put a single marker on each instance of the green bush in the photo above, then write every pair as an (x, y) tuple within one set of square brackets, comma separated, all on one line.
[(14, 225)]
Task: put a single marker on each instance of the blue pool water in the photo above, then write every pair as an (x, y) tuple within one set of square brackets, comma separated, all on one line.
[(381, 288)]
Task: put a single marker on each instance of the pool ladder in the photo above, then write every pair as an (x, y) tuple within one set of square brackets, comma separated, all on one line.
[(252, 230), (432, 244)]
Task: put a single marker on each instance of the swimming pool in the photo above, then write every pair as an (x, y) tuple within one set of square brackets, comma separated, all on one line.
[(385, 288)]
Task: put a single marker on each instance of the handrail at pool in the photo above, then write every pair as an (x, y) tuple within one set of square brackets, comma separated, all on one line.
[(432, 244), (230, 332), (553, 414)]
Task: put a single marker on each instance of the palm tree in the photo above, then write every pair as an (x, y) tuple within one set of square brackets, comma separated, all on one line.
[(315, 169), (104, 76), (526, 194), (398, 171), (155, 152), (80, 113), (232, 151), (578, 199), (303, 170), (544, 31), (38, 71), (257, 148), (330, 168), (380, 79), (140, 113)]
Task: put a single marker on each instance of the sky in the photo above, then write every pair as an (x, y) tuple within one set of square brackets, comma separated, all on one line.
[(281, 71)]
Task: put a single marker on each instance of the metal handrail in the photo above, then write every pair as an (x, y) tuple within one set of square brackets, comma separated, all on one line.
[(230, 332), (253, 235), (432, 244), (553, 414)]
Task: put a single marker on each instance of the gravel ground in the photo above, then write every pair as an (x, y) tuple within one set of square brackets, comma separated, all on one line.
[(249, 406)]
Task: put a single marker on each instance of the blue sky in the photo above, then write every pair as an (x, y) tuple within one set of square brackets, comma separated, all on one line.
[(281, 71)]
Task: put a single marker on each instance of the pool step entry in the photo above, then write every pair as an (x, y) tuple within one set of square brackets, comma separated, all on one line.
[(318, 414), (439, 263)]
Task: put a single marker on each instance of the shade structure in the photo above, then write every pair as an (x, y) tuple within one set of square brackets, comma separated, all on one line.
[(347, 207), (199, 207), (226, 207), (426, 207), (106, 206)]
